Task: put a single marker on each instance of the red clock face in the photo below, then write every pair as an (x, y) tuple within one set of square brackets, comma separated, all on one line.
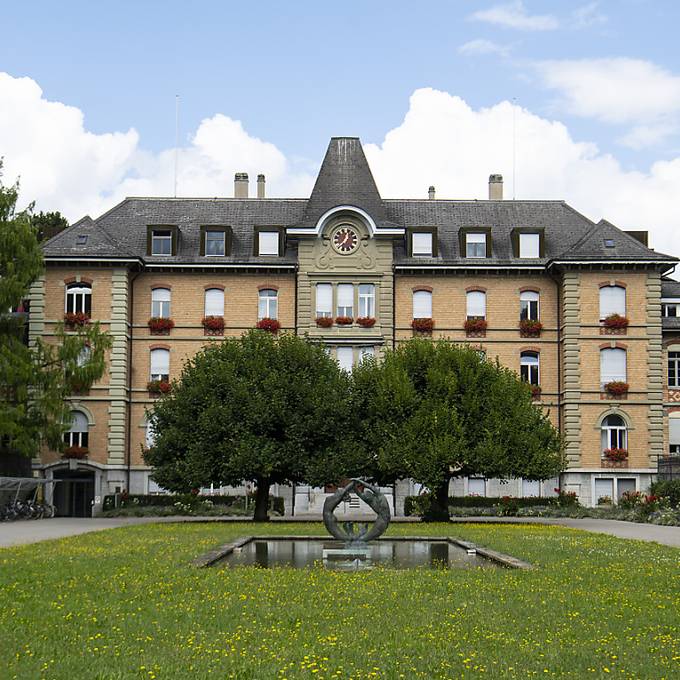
[(345, 240)]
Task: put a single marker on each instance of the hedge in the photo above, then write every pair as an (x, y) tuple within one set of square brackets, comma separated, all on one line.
[(164, 500), (412, 503), (667, 488)]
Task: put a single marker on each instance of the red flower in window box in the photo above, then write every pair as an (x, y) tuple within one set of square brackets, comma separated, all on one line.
[(324, 321), (78, 452), (344, 320), (366, 321), (158, 387), (78, 319), (529, 328), (422, 325), (475, 328), (536, 392), (616, 388), (159, 325), (213, 325), (270, 325), (616, 455), (616, 321)]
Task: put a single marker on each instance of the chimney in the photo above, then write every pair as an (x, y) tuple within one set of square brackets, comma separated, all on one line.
[(241, 185), (495, 187), (430, 193), (260, 186)]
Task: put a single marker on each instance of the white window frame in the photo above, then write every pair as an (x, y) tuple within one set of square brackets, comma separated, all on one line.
[(612, 301), (268, 243), (342, 354), (78, 299), (158, 240), (613, 436), (160, 303), (674, 435), (78, 432), (213, 302), (529, 245), (324, 300), (344, 295), (612, 375), (528, 361), (267, 304), (422, 304), (159, 364), (223, 240), (367, 300), (475, 302), (366, 351), (669, 304), (475, 238), (674, 363), (529, 305), (421, 243)]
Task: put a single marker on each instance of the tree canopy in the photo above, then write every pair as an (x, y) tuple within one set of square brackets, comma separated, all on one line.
[(48, 224)]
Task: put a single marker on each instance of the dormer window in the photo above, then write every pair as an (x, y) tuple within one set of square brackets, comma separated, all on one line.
[(214, 243), (268, 242), (529, 245), (422, 242), (475, 245), (162, 240)]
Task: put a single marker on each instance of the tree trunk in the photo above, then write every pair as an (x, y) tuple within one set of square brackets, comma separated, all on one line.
[(439, 504), (262, 500)]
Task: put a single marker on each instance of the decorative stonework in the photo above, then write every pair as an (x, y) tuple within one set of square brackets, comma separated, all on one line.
[(36, 296), (571, 356), (655, 369)]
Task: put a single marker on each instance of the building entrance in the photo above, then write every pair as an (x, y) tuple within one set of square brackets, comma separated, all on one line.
[(74, 494)]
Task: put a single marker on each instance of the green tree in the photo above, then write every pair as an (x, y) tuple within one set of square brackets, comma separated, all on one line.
[(259, 408), (433, 411), (48, 224), (35, 380)]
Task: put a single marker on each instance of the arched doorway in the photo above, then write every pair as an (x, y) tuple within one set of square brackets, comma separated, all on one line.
[(73, 493)]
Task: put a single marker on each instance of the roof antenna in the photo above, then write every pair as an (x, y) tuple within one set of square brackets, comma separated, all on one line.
[(176, 139), (514, 150)]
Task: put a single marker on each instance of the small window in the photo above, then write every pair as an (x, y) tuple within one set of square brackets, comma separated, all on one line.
[(528, 305), (614, 433), (669, 310), (81, 240), (214, 302), (324, 299), (612, 365), (475, 245), (215, 243), (612, 301), (345, 358), (78, 433), (161, 242), (160, 303), (160, 364), (422, 304), (367, 300), (529, 368), (609, 243), (529, 245), (345, 293), (674, 370), (421, 244), (268, 242), (268, 304), (476, 304), (79, 298)]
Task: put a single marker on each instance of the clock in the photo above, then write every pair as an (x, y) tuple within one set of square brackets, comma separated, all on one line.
[(345, 240)]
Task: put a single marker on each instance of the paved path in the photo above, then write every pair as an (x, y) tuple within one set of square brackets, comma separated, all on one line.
[(28, 531)]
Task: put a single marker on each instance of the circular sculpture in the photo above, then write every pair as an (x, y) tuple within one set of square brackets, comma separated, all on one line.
[(372, 496)]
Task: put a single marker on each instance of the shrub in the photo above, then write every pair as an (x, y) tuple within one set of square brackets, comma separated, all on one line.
[(76, 319), (422, 325), (324, 321), (630, 500), (213, 323), (475, 325), (617, 455), (616, 321), (604, 500), (530, 327), (158, 386), (159, 324), (536, 391), (616, 388), (566, 499), (366, 321), (344, 320), (269, 325), (416, 505), (669, 489)]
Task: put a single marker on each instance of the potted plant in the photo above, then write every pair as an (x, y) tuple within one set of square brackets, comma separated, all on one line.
[(156, 387), (616, 388), (78, 452), (324, 321), (614, 324), (213, 325), (423, 325), (71, 319), (270, 325), (529, 328), (536, 392), (475, 327), (615, 457), (160, 325), (366, 321), (344, 320)]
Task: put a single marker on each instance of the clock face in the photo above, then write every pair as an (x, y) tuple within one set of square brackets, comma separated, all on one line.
[(345, 240)]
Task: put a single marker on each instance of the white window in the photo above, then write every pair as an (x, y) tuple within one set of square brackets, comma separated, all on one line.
[(345, 292), (214, 243), (612, 301), (476, 304), (529, 367), (160, 303), (604, 489), (150, 435), (268, 242), (612, 365), (324, 299), (345, 357), (84, 356), (77, 434), (421, 244), (476, 487), (268, 303), (367, 300), (475, 245), (366, 352), (161, 242), (669, 310), (214, 302), (674, 435), (528, 305), (614, 433), (529, 245), (79, 298), (422, 304), (531, 488), (160, 364), (674, 369)]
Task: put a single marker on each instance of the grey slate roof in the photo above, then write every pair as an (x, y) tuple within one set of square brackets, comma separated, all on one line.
[(670, 288)]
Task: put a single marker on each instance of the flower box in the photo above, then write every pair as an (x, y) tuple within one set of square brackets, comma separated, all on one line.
[(616, 321), (324, 321), (72, 321), (423, 325), (77, 452), (344, 320), (159, 325), (366, 321), (156, 387), (616, 388), (269, 325), (475, 328), (213, 325), (528, 328), (615, 455), (606, 463), (536, 392)]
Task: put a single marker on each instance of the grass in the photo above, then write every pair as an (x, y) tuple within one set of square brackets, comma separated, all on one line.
[(126, 604)]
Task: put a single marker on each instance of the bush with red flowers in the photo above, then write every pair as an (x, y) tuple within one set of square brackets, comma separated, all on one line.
[(422, 325), (270, 325), (616, 388), (159, 325), (76, 319), (214, 325), (616, 321), (158, 386), (324, 321), (77, 452), (475, 326), (616, 455), (344, 320), (529, 328), (366, 321)]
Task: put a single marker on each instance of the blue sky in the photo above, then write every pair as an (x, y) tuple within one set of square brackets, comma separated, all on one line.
[(296, 73)]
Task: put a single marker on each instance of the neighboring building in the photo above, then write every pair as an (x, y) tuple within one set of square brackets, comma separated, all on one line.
[(346, 252)]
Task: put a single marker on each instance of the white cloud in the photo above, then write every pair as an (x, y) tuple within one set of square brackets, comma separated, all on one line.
[(481, 46), (515, 15), (588, 15)]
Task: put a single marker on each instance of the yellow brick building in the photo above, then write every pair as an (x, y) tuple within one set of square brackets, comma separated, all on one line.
[(534, 283)]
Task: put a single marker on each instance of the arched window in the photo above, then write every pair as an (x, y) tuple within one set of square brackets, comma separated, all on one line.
[(528, 305), (614, 433), (214, 302), (422, 304), (79, 298), (160, 303), (160, 364), (529, 367), (324, 299), (612, 365), (476, 304), (77, 434), (267, 307), (612, 301)]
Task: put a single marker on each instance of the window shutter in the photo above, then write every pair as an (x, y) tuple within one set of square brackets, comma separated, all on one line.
[(214, 302), (612, 365), (674, 430), (612, 301), (160, 361), (422, 304), (476, 304), (345, 295), (324, 298)]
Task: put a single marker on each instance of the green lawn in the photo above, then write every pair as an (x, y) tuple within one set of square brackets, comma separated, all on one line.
[(126, 603)]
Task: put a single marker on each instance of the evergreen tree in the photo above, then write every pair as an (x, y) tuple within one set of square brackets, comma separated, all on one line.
[(48, 224)]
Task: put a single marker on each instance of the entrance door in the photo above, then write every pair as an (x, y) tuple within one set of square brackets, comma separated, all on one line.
[(74, 493)]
